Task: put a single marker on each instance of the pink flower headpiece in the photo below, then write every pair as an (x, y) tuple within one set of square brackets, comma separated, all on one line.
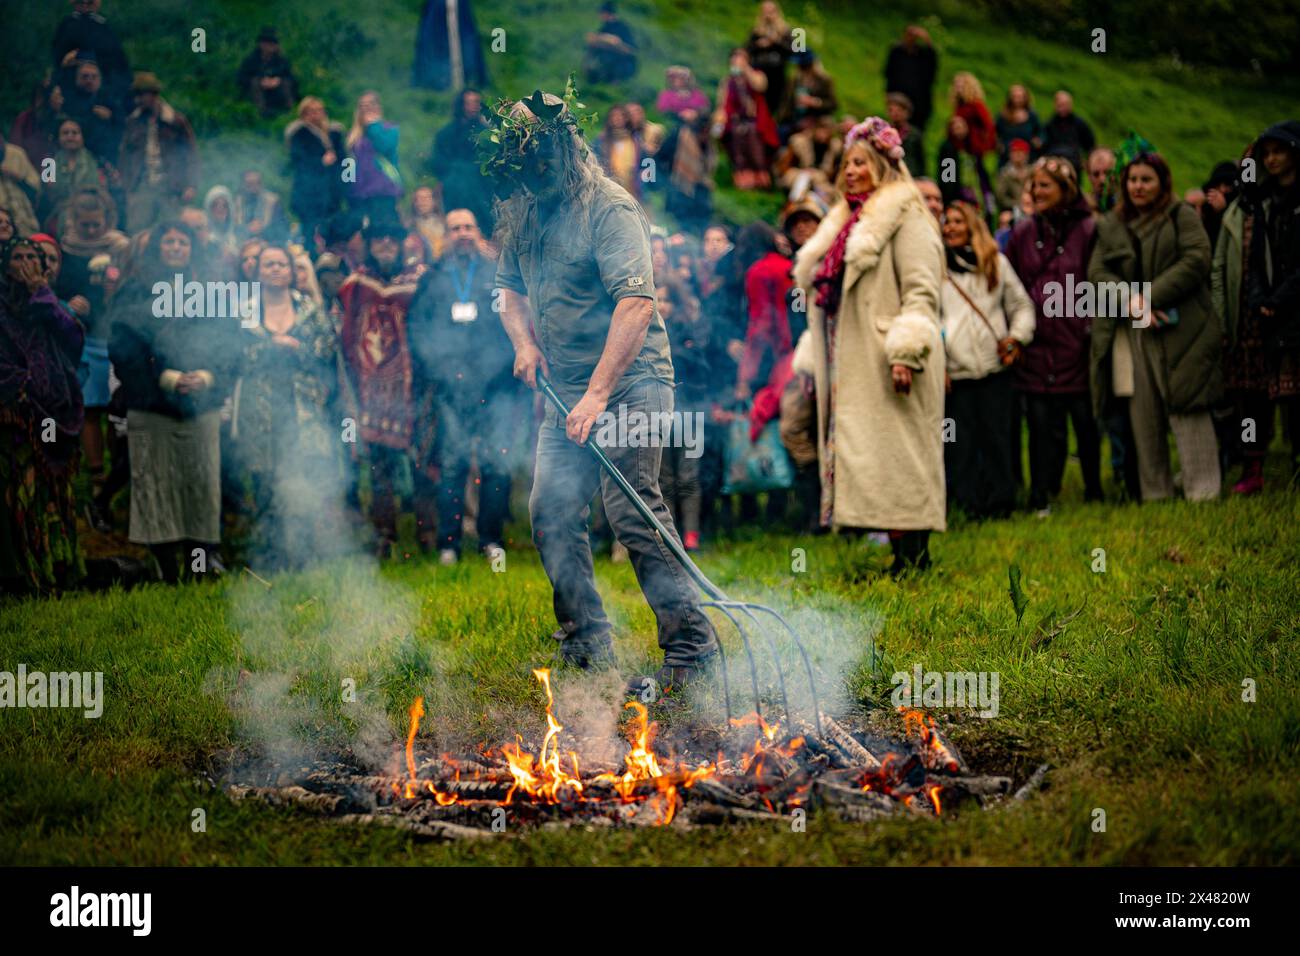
[(882, 137)]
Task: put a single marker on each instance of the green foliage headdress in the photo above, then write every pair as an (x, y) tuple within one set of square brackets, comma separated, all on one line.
[(515, 134)]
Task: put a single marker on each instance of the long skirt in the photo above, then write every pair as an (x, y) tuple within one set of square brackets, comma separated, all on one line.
[(38, 527), (175, 477)]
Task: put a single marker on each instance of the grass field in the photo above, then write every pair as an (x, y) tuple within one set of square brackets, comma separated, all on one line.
[(1137, 705)]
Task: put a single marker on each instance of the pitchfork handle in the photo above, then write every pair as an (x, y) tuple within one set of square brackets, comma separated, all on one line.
[(667, 537)]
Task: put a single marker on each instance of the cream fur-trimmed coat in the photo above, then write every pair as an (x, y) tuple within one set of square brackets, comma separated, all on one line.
[(889, 471)]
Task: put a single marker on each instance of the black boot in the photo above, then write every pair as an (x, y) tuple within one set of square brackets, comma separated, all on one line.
[(911, 552)]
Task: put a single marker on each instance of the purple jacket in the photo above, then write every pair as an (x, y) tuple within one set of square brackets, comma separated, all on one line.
[(380, 142), (1048, 250)]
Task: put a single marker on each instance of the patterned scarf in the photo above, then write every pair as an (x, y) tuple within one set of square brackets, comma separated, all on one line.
[(829, 280)]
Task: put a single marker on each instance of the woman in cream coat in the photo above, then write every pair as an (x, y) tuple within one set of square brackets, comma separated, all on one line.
[(871, 276)]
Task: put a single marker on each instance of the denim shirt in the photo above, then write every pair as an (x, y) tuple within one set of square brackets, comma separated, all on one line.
[(575, 265)]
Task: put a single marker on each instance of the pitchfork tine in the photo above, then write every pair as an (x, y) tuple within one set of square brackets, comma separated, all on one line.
[(749, 653), (807, 664), (776, 661)]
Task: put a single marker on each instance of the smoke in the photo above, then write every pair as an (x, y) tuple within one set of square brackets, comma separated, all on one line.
[(313, 652), (819, 667)]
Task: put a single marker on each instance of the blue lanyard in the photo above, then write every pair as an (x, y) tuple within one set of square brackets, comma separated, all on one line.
[(463, 292)]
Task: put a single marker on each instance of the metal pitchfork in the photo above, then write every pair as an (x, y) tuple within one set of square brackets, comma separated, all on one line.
[(733, 610)]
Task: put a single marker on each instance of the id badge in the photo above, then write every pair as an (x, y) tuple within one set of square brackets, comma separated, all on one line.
[(464, 311)]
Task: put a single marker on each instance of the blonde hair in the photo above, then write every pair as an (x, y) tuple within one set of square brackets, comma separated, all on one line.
[(982, 242), (306, 103), (966, 89), (774, 27), (358, 131), (882, 170), (299, 257)]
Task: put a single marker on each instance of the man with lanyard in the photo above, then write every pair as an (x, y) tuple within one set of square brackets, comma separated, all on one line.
[(576, 248), (471, 397)]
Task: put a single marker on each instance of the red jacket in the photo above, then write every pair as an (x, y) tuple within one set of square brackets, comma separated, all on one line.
[(983, 137), (766, 285)]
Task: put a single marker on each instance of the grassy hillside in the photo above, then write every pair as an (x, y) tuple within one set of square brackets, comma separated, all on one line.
[(339, 47)]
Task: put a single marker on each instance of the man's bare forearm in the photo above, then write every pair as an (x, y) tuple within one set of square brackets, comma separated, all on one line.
[(515, 318), (627, 331)]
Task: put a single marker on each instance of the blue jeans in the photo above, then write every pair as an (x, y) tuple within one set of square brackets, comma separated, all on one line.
[(565, 478)]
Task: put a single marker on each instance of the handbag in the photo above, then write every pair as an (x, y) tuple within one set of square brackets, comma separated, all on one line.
[(751, 467), (1002, 356)]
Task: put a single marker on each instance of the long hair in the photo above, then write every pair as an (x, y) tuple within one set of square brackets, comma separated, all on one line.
[(966, 89), (358, 131), (1008, 106), (312, 286), (1127, 211), (148, 266), (882, 170), (577, 172), (774, 26), (982, 242)]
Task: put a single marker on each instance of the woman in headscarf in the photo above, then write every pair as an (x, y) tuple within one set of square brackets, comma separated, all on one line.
[(176, 371), (219, 204), (40, 425), (871, 273)]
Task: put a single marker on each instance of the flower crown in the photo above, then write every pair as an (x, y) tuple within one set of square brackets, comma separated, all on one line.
[(512, 135), (881, 135)]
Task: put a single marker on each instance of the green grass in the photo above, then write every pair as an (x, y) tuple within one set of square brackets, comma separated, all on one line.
[(1196, 117), (1137, 704)]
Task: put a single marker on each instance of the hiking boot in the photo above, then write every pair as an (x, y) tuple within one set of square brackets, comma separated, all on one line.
[(447, 557), (583, 655), (665, 681)]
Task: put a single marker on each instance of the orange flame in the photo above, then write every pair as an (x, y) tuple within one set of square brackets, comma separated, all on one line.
[(416, 711), (937, 753), (543, 777)]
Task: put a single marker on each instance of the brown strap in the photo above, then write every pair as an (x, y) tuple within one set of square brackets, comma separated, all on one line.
[(962, 292)]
